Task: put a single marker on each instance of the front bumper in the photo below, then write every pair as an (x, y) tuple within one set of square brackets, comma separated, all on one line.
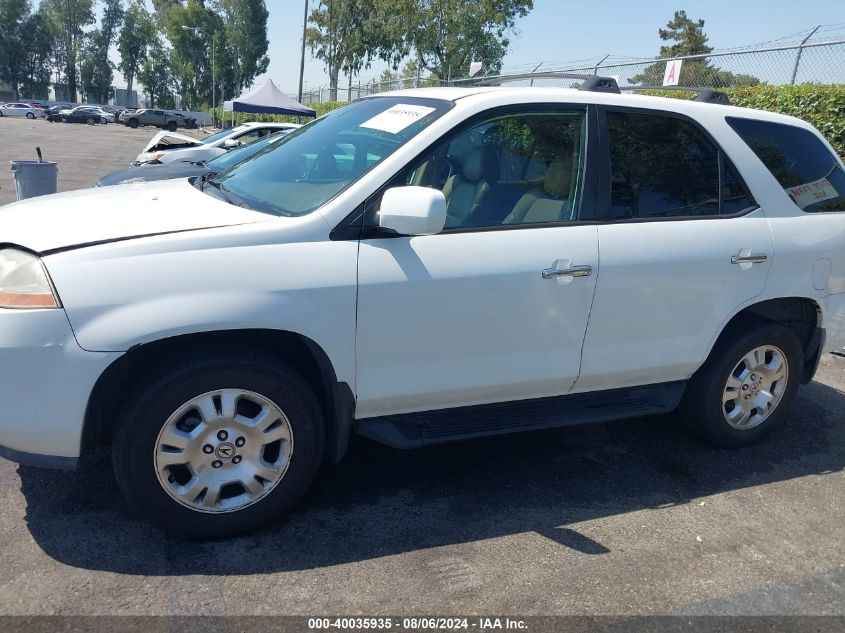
[(45, 382)]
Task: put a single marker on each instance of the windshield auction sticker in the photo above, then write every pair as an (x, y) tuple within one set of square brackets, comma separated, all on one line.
[(397, 118), (812, 192)]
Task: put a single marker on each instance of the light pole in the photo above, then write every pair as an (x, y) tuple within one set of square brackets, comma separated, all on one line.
[(197, 29), (302, 56)]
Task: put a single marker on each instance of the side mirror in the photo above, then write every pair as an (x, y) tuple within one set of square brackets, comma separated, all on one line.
[(231, 143), (413, 211)]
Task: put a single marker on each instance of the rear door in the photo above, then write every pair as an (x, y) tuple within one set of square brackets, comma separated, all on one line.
[(682, 245)]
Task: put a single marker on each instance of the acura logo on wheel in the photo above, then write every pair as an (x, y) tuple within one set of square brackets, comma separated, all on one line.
[(225, 450)]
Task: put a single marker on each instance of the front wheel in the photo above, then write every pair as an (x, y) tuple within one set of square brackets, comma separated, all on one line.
[(133, 123), (222, 444), (746, 386), (171, 126)]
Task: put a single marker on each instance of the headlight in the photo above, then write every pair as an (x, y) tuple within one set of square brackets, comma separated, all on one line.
[(24, 282)]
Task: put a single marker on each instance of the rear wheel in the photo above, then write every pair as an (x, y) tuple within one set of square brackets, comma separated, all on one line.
[(91, 121), (171, 126), (746, 386), (222, 444), (30, 115)]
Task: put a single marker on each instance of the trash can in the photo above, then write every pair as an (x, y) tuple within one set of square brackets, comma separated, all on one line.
[(34, 178)]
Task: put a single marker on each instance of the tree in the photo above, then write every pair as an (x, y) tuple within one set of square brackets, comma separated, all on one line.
[(688, 35), (14, 15), (38, 39), (95, 67), (190, 57), (156, 76), (71, 17), (690, 39), (448, 35), (134, 40), (242, 54), (338, 35)]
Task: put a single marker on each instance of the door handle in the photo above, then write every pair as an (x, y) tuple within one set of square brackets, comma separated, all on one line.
[(574, 271), (753, 258)]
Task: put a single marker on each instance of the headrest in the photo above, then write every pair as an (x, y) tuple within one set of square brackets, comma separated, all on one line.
[(481, 164), (558, 178)]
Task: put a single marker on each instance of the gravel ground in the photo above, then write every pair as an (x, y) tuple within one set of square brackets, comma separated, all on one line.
[(633, 517)]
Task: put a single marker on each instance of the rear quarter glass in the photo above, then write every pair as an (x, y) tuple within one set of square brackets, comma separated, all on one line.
[(798, 159)]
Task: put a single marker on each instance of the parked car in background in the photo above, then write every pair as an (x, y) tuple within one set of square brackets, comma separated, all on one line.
[(92, 115), (121, 116), (185, 169), (19, 110), (159, 118), (167, 147)]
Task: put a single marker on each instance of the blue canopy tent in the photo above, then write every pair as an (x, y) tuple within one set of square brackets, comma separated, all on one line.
[(267, 99)]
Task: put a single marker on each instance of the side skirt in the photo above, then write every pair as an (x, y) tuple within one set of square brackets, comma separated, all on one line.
[(448, 425)]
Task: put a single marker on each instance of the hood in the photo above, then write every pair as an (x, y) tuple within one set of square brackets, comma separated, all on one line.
[(164, 140), (104, 214), (149, 173)]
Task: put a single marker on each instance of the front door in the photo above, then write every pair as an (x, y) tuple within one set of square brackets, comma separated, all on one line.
[(495, 307)]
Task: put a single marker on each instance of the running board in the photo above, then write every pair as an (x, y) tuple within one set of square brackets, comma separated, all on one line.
[(448, 425)]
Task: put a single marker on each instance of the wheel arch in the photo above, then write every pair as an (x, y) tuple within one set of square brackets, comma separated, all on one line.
[(302, 353), (802, 315)]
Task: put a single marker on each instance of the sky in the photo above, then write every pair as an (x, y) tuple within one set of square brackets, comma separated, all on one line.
[(558, 31)]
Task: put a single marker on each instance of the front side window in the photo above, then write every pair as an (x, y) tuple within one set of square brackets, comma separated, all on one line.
[(665, 167), (806, 169), (316, 162), (509, 170)]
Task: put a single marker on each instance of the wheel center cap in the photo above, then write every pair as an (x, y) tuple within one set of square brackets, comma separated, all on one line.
[(225, 451)]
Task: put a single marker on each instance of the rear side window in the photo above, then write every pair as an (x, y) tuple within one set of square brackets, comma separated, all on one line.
[(665, 167), (797, 158)]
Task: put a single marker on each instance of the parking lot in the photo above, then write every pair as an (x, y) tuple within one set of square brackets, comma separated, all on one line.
[(633, 517), (84, 152)]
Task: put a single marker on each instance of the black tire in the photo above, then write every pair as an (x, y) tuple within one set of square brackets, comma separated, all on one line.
[(104, 121), (30, 115), (135, 439), (171, 126), (702, 409), (133, 123), (91, 121)]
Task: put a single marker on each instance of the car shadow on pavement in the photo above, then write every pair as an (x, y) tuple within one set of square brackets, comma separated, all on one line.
[(381, 502)]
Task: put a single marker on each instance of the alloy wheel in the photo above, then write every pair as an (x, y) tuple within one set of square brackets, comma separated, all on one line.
[(223, 450), (755, 387)]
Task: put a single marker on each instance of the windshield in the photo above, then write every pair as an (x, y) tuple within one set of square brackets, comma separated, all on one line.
[(232, 157), (316, 162)]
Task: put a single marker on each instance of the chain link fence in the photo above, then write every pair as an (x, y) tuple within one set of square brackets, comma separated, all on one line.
[(821, 62)]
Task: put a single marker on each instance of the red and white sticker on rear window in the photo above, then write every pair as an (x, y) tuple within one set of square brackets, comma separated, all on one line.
[(812, 192)]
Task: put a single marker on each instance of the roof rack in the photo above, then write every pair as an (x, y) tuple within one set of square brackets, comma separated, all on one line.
[(704, 95), (593, 83)]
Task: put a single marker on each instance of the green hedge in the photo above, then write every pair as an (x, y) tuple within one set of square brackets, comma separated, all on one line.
[(823, 106)]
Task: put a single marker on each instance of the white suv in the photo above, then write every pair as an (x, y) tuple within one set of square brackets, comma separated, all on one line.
[(421, 267)]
